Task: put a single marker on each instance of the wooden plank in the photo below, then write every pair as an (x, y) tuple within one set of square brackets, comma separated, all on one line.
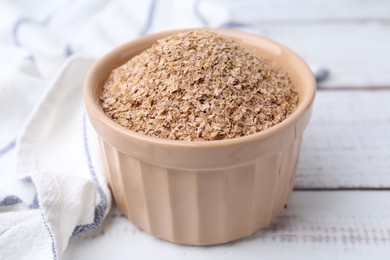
[(347, 143), (324, 225), (350, 38), (282, 10), (356, 54)]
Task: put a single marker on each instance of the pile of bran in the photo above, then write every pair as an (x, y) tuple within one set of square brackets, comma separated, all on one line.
[(198, 86)]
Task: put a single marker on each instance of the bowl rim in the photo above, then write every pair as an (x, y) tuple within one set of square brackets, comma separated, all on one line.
[(94, 109)]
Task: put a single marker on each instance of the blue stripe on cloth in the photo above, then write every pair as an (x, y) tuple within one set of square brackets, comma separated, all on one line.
[(13, 200), (7, 148), (48, 228), (68, 50), (23, 21), (232, 24), (35, 203), (26, 179), (53, 245), (150, 18), (199, 15), (102, 206), (29, 58), (3, 231), (321, 74), (227, 24), (10, 201)]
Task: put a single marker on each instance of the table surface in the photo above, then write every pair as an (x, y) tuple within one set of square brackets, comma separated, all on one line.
[(340, 207)]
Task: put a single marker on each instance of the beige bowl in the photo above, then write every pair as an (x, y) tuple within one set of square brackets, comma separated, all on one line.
[(202, 193)]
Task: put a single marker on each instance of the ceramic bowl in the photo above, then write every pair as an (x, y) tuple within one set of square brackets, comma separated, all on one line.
[(202, 193)]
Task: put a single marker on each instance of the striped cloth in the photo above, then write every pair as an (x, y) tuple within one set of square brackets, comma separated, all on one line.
[(52, 185)]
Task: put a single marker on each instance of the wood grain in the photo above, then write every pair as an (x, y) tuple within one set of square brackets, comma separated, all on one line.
[(351, 225), (347, 143), (357, 55), (250, 11), (350, 38)]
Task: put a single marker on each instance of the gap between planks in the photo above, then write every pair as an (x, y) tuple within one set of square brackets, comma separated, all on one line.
[(324, 21), (347, 142), (344, 189), (353, 88)]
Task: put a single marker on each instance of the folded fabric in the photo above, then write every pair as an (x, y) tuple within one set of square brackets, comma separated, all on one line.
[(61, 190), (52, 185)]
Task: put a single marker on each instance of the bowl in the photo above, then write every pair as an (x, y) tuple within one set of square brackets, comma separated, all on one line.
[(202, 192)]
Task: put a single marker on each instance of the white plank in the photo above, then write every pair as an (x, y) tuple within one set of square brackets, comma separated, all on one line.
[(356, 54), (281, 10), (351, 38), (315, 225), (347, 143)]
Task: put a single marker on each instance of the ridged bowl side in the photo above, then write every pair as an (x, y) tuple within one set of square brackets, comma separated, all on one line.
[(202, 207), (202, 193)]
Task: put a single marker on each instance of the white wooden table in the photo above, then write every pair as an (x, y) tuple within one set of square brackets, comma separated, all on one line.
[(341, 204)]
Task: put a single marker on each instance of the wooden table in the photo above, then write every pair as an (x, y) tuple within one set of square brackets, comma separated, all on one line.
[(340, 207)]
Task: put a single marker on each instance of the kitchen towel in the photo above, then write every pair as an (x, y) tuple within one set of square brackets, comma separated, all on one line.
[(51, 173), (56, 189)]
